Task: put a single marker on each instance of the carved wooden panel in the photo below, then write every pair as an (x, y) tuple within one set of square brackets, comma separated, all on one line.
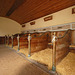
[(48, 18), (32, 23), (73, 10)]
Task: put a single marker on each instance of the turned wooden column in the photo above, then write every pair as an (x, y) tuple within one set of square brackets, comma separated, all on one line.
[(54, 53), (12, 40), (18, 42), (29, 45)]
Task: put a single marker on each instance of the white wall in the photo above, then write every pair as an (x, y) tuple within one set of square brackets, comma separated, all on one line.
[(60, 17), (8, 26)]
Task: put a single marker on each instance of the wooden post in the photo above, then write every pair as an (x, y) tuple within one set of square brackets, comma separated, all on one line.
[(8, 39), (12, 40), (54, 53), (18, 42), (5, 39), (29, 45)]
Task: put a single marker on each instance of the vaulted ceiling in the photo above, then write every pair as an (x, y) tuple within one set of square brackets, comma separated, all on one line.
[(24, 11)]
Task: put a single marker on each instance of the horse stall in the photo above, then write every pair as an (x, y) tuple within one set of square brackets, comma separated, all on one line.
[(6, 37), (38, 42), (23, 40), (40, 51), (65, 60), (72, 46), (10, 41), (62, 54), (15, 42), (62, 44), (55, 55), (2, 40), (6, 40)]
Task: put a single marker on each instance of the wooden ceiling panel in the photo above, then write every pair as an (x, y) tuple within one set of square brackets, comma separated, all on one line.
[(16, 4), (31, 9), (5, 5), (28, 7), (35, 9), (55, 8)]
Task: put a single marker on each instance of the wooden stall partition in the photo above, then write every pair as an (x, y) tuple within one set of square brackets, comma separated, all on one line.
[(62, 45), (73, 37), (49, 40), (72, 46), (23, 41), (49, 37), (6, 40), (10, 40), (39, 43), (2, 40), (15, 41)]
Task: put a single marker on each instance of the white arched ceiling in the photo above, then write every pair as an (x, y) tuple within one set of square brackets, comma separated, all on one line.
[(8, 26)]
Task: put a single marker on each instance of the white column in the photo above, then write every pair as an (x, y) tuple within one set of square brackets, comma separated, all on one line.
[(54, 53), (29, 45), (18, 42)]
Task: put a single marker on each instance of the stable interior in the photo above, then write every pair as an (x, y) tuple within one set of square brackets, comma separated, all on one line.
[(42, 48), (42, 32)]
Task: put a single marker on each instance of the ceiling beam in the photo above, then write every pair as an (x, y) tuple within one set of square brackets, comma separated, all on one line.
[(16, 4)]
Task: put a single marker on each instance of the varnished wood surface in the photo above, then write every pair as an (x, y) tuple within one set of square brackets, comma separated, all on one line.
[(32, 9), (73, 37), (23, 42), (37, 43), (5, 5), (15, 42), (10, 40), (2, 40), (62, 45)]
